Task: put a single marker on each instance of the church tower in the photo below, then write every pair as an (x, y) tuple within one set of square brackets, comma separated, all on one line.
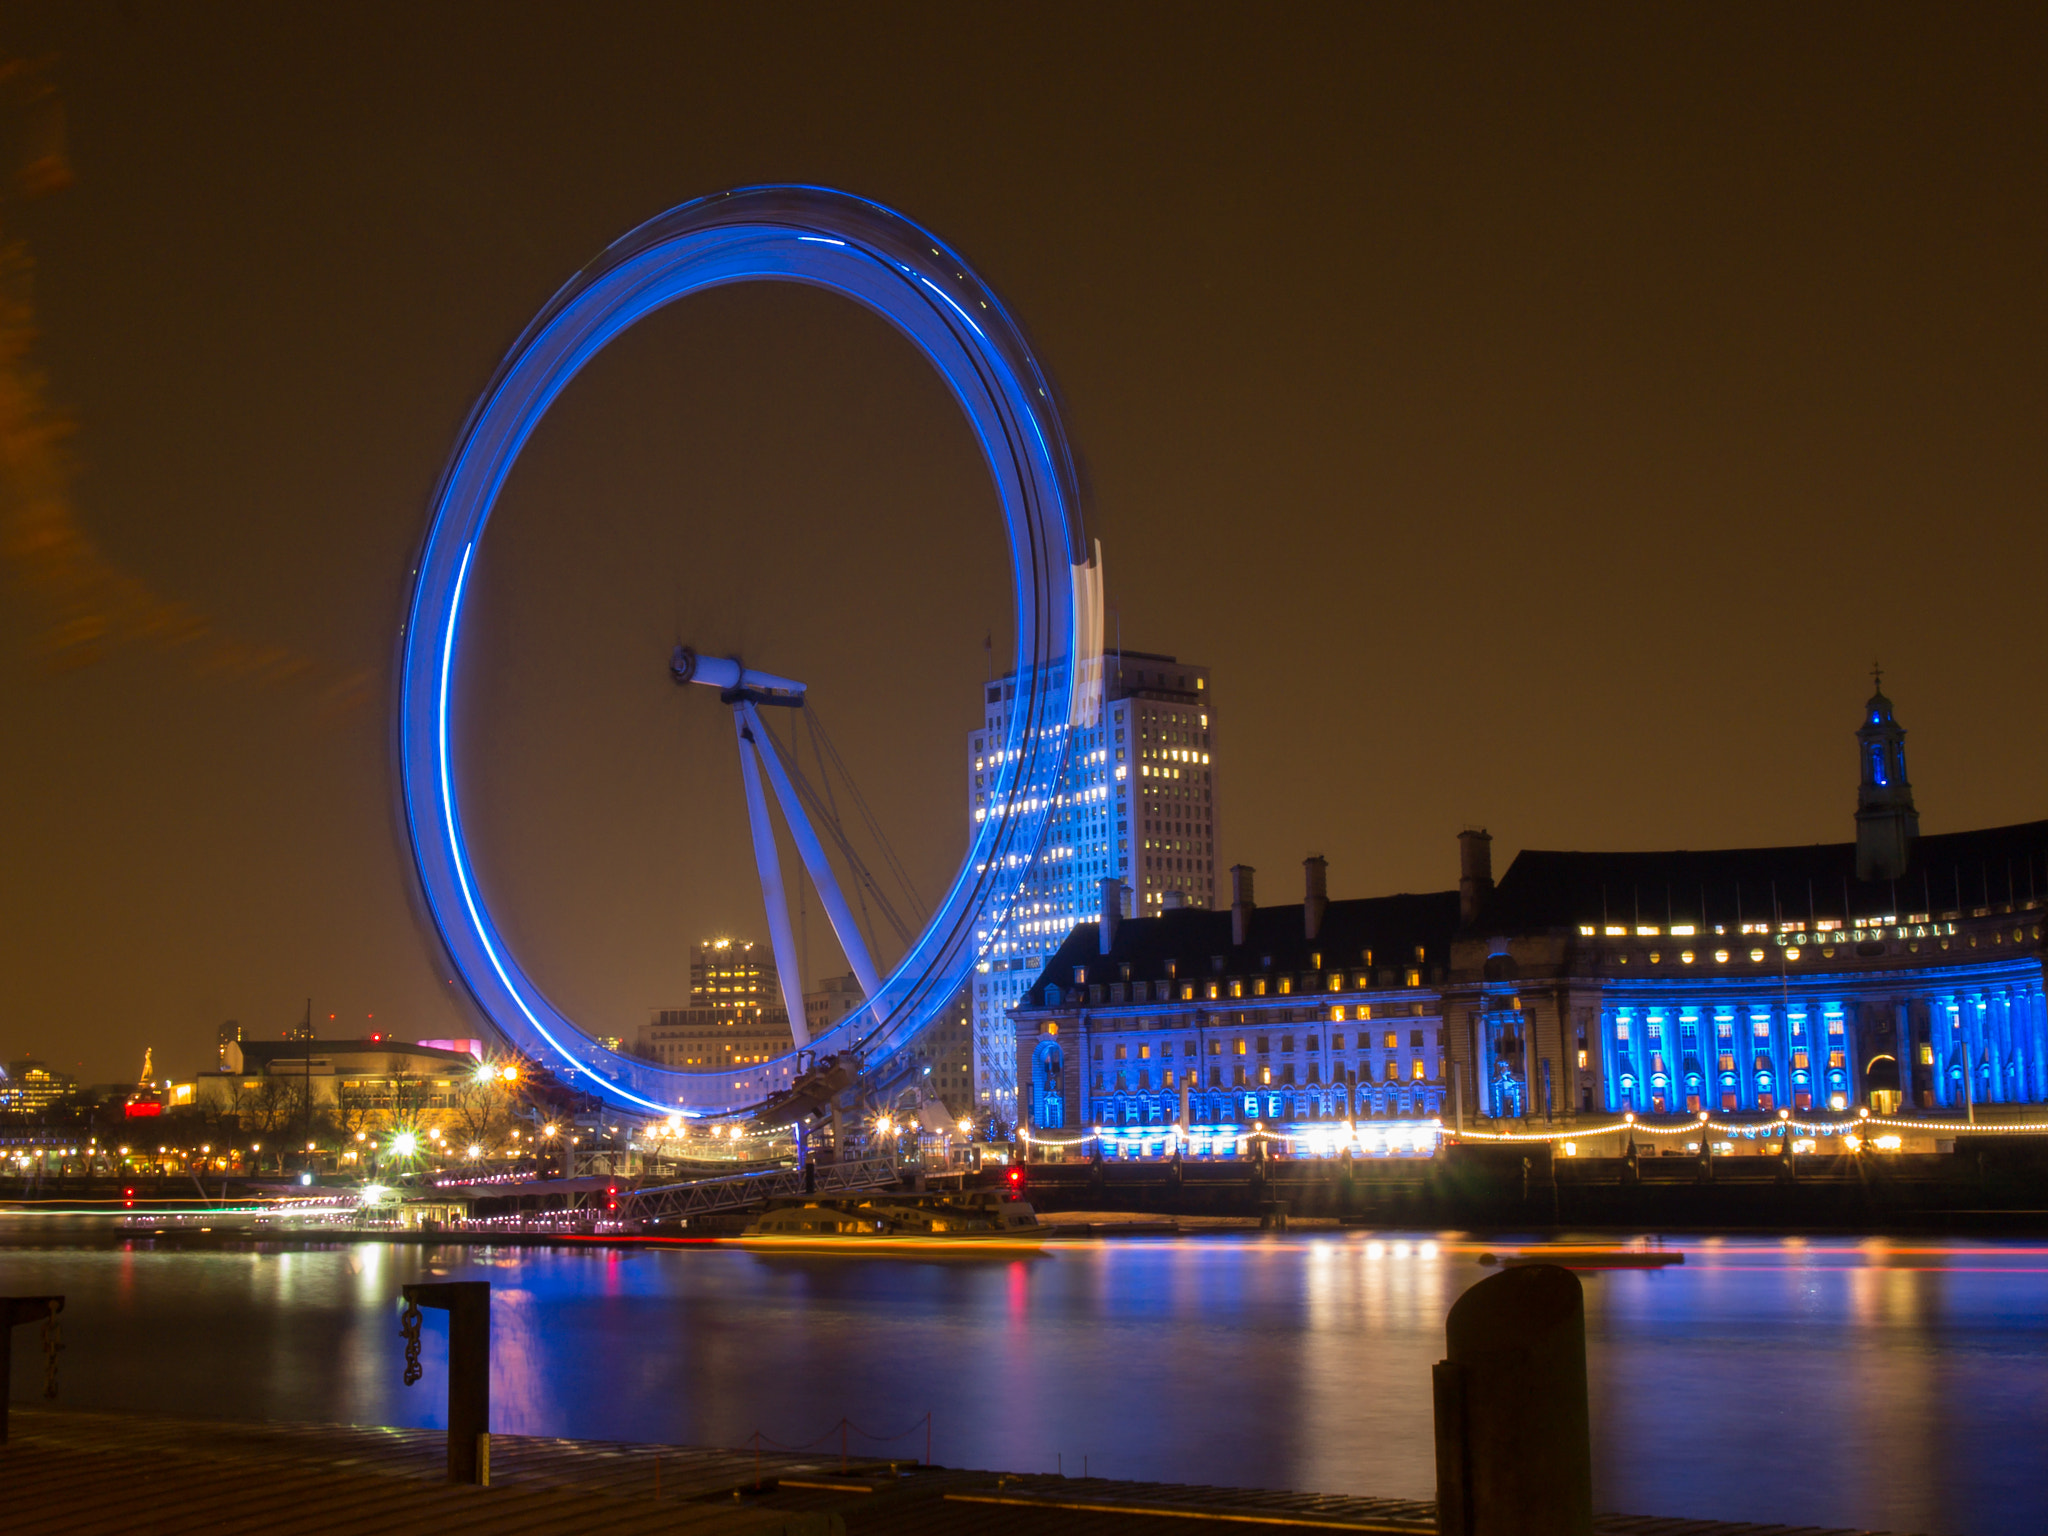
[(1886, 822)]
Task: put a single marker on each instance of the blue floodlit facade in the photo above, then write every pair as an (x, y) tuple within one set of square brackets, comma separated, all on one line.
[(1321, 1022), (1899, 972)]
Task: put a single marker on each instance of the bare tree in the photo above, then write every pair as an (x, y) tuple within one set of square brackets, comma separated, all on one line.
[(480, 1111), (354, 1104), (409, 1098), (272, 1104)]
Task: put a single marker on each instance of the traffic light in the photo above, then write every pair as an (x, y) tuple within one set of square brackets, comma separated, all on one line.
[(1016, 1181)]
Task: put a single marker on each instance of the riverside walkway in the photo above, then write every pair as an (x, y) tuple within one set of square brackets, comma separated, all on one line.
[(66, 1473)]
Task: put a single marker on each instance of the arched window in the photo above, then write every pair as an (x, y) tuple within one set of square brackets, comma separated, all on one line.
[(1048, 1096)]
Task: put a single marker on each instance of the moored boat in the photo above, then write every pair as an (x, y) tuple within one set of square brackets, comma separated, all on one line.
[(887, 1220)]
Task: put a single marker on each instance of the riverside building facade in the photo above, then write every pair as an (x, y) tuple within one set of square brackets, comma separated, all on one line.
[(1296, 1019), (1899, 972), (1137, 807)]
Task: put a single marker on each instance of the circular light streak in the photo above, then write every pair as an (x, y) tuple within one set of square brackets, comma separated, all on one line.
[(879, 259)]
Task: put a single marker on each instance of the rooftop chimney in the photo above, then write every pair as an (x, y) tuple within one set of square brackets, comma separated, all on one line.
[(1241, 902), (1317, 899), (1172, 901), (1112, 912), (1475, 872)]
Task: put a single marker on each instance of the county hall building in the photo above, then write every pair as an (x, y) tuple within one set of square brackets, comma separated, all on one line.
[(1896, 971)]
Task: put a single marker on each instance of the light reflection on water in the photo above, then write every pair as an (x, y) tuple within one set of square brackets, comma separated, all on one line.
[(1890, 1383)]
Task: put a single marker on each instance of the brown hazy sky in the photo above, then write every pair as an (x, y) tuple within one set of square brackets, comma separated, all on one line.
[(1536, 419)]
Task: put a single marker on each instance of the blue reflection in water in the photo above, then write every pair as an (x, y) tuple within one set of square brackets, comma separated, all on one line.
[(1879, 1383)]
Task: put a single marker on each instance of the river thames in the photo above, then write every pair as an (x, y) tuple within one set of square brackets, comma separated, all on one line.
[(1890, 1383)]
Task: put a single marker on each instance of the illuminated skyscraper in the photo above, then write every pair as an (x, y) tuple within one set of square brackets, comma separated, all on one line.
[(1137, 808)]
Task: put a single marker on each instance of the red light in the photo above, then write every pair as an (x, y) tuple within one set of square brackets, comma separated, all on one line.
[(1016, 1175)]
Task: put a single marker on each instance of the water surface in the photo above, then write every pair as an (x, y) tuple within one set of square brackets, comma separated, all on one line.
[(1879, 1383)]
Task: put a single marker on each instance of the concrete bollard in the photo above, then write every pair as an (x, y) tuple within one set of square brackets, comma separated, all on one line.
[(14, 1311), (1513, 1436), (468, 1305)]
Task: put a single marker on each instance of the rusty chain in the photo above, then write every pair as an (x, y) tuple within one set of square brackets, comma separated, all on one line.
[(409, 1325), (53, 1344)]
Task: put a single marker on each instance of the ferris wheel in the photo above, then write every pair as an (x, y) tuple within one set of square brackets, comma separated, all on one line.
[(879, 259)]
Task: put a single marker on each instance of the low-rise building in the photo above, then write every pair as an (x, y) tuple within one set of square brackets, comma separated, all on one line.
[(1315, 1012), (357, 1083)]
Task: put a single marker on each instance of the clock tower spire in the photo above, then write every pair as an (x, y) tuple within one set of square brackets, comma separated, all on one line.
[(1886, 822)]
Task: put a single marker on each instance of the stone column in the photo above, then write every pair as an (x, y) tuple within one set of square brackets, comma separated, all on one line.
[(1973, 1031), (1949, 1054), (2037, 1015), (1779, 1044), (2005, 1045), (1532, 1088), (1610, 1060)]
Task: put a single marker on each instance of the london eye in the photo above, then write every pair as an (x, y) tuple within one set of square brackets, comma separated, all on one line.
[(878, 259)]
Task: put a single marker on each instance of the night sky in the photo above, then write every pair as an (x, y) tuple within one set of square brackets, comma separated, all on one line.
[(1535, 421)]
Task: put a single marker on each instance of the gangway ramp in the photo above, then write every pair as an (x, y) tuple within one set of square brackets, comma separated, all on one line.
[(733, 1192)]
